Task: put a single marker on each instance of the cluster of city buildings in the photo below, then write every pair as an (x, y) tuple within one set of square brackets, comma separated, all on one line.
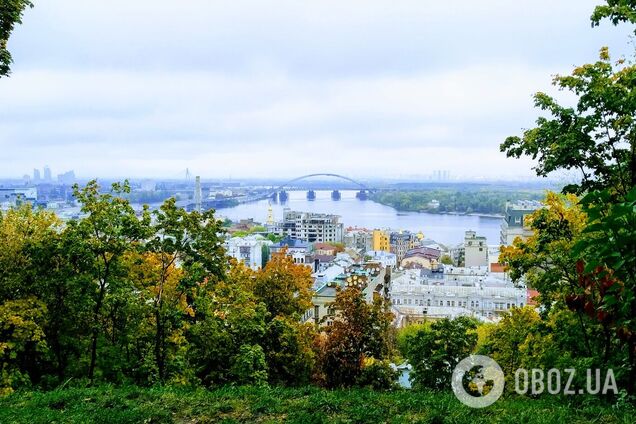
[(46, 176), (422, 279)]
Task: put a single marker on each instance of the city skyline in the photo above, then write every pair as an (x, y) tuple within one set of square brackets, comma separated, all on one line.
[(252, 90)]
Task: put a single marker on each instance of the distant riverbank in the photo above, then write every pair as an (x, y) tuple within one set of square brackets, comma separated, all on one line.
[(481, 203), (434, 212), (482, 215)]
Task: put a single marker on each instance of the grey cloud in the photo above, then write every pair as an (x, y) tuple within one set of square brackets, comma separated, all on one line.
[(151, 87)]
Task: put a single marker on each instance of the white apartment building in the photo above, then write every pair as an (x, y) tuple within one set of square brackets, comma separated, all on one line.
[(475, 250), (359, 239), (251, 250), (514, 223), (311, 227), (481, 296)]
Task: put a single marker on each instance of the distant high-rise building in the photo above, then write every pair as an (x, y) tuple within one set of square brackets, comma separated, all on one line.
[(67, 177), (441, 175), (47, 174), (36, 175)]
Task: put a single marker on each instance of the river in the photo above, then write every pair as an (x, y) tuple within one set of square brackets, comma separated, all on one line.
[(447, 229)]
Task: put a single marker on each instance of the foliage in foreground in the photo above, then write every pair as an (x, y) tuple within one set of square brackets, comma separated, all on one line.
[(582, 256), (106, 404)]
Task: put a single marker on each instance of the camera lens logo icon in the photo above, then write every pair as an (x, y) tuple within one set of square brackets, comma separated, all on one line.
[(478, 381)]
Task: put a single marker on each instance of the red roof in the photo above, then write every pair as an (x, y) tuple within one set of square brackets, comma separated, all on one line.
[(497, 267), (532, 296)]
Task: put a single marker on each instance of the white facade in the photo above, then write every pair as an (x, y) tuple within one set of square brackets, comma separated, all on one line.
[(385, 258), (475, 250), (311, 227), (248, 250), (475, 295), (359, 240), (515, 223), (11, 196)]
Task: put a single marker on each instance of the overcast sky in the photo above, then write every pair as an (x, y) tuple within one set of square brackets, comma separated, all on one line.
[(280, 88)]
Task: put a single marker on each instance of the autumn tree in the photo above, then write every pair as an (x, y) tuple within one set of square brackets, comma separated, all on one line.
[(359, 331), (284, 287), (181, 242), (22, 342), (35, 263)]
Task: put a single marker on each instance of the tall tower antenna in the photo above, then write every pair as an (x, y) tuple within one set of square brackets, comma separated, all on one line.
[(197, 193)]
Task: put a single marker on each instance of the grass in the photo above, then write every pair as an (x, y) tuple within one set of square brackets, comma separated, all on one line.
[(107, 404)]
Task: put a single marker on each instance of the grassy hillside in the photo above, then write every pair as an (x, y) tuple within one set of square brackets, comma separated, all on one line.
[(270, 405)]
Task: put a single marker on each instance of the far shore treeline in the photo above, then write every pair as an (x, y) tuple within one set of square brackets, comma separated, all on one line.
[(472, 201)]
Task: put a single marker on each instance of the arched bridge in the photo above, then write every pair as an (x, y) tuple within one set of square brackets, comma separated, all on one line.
[(279, 193), (304, 177)]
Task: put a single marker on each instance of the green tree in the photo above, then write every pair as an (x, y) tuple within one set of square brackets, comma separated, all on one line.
[(435, 351), (249, 365), (227, 316), (597, 137), (616, 11), (11, 12), (176, 239), (596, 265), (289, 352), (506, 338), (109, 229)]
